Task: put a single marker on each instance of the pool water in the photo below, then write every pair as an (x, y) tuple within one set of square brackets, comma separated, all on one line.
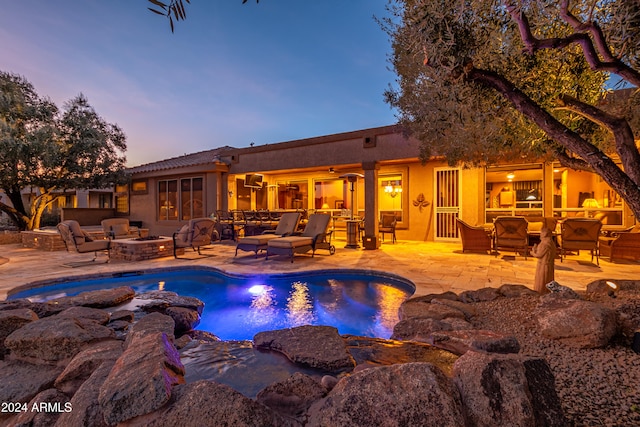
[(237, 307)]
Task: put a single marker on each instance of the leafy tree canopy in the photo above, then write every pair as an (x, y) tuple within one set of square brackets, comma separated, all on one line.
[(488, 81), (52, 150)]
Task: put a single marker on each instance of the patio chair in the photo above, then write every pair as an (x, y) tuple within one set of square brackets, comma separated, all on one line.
[(510, 232), (286, 226), (313, 237), (388, 225), (195, 234), (580, 233), (621, 244), (473, 238), (119, 228), (77, 240)]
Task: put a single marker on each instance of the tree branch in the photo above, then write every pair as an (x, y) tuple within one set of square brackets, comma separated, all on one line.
[(581, 37)]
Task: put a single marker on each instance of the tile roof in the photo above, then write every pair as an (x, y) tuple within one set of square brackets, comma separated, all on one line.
[(194, 159)]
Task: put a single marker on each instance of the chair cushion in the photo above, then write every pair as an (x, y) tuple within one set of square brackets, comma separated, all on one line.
[(258, 240), (76, 231), (120, 229), (96, 245), (290, 242), (182, 236)]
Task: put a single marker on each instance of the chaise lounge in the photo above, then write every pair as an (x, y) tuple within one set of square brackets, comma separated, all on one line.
[(287, 225), (313, 237)]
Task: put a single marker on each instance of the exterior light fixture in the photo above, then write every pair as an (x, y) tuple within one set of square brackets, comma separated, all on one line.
[(510, 175), (332, 170), (613, 289)]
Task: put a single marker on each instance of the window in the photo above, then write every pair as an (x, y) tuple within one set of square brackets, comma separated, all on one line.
[(390, 195), (139, 186), (331, 194), (514, 190), (104, 200), (191, 197), (122, 199), (168, 200), (293, 195), (185, 204)]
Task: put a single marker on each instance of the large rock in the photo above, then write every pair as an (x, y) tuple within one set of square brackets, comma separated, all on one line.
[(85, 362), (427, 298), (516, 291), (479, 295), (314, 346), (209, 404), (21, 381), (468, 309), (151, 324), (12, 320), (141, 380), (86, 409), (373, 352), (507, 390), (44, 409), (185, 319), (411, 394), (421, 328), (579, 323), (459, 342), (55, 338), (103, 298), (96, 314), (410, 309), (161, 300), (293, 396)]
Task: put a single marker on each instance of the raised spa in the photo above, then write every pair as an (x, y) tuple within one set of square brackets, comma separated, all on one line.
[(237, 307)]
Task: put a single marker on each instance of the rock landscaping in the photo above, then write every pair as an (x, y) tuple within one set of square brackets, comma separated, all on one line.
[(492, 357)]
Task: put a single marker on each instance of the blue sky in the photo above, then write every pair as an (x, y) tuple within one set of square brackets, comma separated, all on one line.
[(231, 74)]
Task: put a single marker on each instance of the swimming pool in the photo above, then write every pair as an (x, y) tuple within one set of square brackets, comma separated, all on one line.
[(356, 302)]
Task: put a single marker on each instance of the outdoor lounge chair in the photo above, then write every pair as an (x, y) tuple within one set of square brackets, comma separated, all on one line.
[(473, 238), (195, 234), (119, 228), (313, 237), (510, 232), (580, 233), (286, 226), (621, 245), (77, 240)]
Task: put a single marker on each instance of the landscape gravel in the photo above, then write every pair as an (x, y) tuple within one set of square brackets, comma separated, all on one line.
[(597, 387)]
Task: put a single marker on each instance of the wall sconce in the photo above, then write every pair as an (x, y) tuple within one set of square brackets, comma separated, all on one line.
[(510, 176), (392, 187), (332, 170), (230, 193)]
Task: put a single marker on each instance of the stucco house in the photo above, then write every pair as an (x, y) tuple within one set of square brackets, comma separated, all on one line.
[(308, 174)]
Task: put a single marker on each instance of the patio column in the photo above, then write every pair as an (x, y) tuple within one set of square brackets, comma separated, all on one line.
[(371, 205), (223, 191)]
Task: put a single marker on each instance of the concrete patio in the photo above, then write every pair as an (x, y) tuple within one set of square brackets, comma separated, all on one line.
[(433, 267)]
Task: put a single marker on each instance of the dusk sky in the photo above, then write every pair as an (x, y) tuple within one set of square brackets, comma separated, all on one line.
[(231, 74)]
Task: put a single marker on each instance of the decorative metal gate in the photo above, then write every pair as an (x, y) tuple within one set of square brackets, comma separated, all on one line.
[(447, 203)]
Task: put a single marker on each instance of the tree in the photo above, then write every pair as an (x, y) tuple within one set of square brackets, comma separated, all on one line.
[(174, 10), (486, 81), (52, 151)]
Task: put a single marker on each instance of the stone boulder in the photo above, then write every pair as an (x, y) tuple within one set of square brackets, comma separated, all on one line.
[(12, 320), (209, 404), (579, 323), (421, 328), (516, 291), (22, 381), (411, 394), (55, 338), (15, 304), (100, 316), (84, 363), (123, 315), (160, 300), (427, 298), (87, 411), (103, 298), (410, 309), (373, 352), (141, 379), (150, 324), (318, 347), (44, 409), (468, 309), (185, 319), (480, 295), (461, 341), (507, 390), (293, 396)]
